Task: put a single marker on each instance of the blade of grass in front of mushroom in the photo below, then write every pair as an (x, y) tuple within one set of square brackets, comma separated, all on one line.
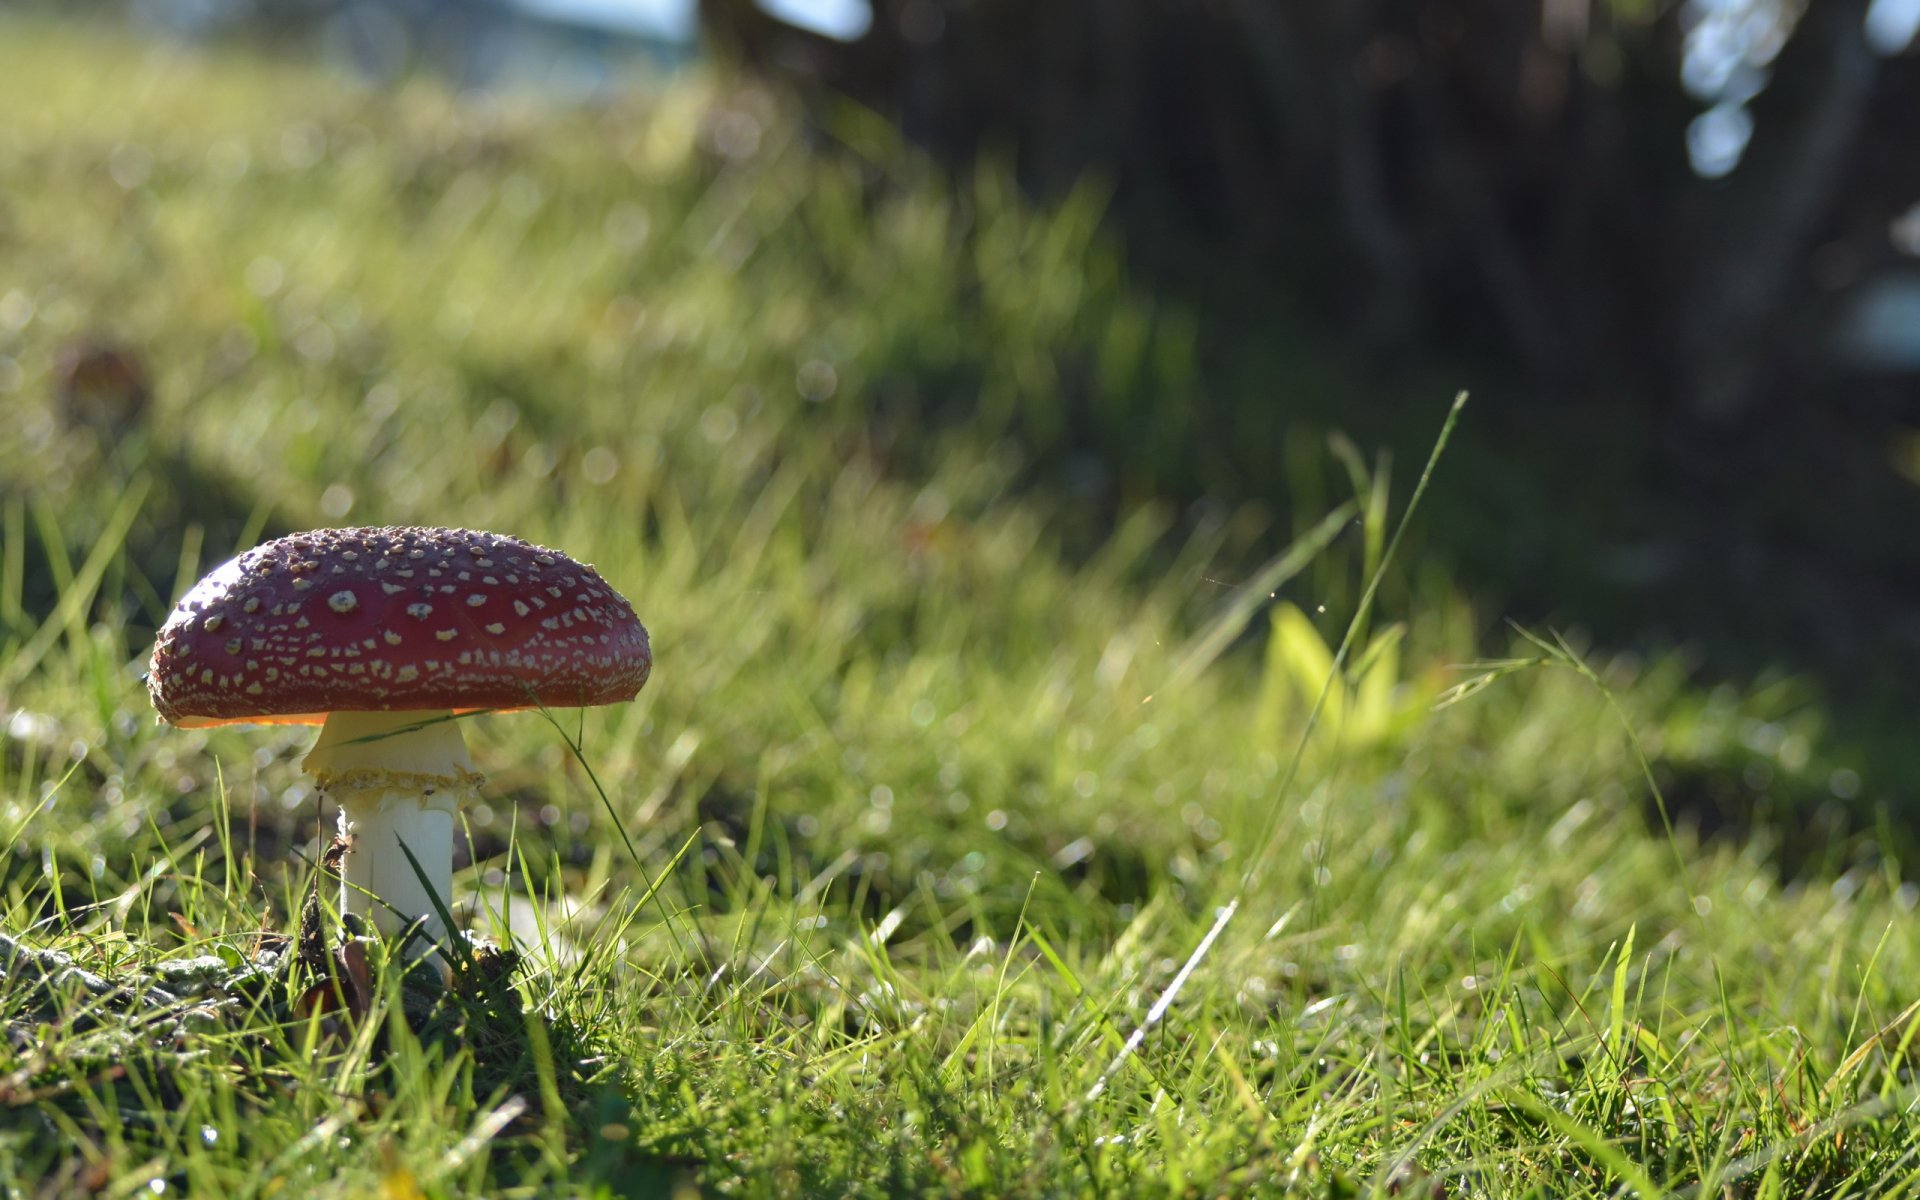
[(381, 735), (416, 924)]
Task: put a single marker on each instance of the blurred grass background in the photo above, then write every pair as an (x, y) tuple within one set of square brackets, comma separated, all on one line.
[(966, 750)]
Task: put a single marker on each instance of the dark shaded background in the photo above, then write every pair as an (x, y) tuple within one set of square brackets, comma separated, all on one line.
[(1695, 397)]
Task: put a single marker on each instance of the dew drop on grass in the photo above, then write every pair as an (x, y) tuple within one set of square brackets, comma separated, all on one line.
[(302, 145), (627, 226), (316, 343), (264, 276), (718, 424), (336, 501), (228, 161), (816, 381), (381, 401), (130, 165), (16, 309), (209, 1134), (599, 465)]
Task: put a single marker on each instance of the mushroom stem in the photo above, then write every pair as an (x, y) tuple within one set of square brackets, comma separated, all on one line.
[(398, 777)]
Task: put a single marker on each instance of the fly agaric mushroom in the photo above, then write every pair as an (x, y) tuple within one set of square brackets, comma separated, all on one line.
[(380, 636), (101, 387)]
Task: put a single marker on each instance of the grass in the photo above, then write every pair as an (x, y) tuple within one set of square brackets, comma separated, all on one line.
[(932, 817)]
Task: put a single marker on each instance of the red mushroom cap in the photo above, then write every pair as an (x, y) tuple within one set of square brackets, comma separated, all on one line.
[(391, 620)]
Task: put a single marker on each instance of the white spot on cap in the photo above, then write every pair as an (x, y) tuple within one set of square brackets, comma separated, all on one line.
[(419, 612), (212, 623), (476, 600), (520, 606), (496, 629), (392, 638), (252, 605), (446, 635), (343, 602), (407, 672)]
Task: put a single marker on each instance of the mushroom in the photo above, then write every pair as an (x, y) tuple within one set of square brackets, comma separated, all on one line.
[(381, 636), (101, 386)]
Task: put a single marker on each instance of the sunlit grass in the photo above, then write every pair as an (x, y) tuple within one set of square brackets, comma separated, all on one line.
[(926, 814)]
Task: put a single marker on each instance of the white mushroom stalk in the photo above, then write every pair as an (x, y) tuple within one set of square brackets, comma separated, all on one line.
[(399, 779)]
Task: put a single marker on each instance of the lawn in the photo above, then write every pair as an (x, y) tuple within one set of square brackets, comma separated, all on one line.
[(969, 838)]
